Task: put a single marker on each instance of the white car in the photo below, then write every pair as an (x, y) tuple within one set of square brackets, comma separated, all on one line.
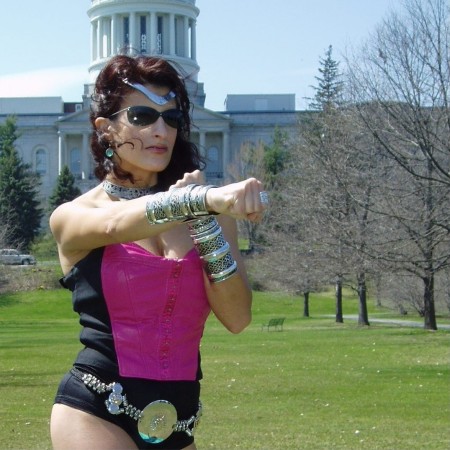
[(14, 257)]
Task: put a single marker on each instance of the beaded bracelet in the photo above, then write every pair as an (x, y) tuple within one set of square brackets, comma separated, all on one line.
[(213, 249)]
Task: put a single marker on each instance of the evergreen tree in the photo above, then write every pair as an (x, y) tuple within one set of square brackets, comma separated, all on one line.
[(65, 189), (275, 158), (330, 85), (19, 207)]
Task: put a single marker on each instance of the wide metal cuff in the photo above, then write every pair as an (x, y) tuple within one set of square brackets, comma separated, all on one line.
[(177, 204)]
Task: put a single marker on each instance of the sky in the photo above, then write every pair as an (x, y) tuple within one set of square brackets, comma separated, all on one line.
[(243, 46)]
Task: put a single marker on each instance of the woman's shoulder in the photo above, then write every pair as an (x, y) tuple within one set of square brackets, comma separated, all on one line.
[(94, 197), (90, 199), (75, 208)]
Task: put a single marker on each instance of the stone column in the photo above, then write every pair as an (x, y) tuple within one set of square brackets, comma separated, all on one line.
[(61, 150), (202, 142), (225, 151), (114, 33), (99, 39), (152, 33), (107, 36), (171, 34), (133, 30), (94, 50), (85, 157), (186, 36), (193, 40), (103, 46)]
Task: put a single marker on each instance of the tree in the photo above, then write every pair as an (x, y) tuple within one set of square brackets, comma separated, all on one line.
[(19, 206), (266, 162), (400, 81), (65, 189), (329, 84), (249, 162), (317, 223), (338, 181), (275, 158), (334, 190), (326, 101)]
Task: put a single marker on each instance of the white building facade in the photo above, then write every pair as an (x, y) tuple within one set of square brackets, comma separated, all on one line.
[(54, 133)]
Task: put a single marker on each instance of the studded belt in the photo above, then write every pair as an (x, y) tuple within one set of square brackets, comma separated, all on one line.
[(156, 422)]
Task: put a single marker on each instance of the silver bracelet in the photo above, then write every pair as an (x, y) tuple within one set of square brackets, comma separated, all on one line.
[(213, 249), (177, 204)]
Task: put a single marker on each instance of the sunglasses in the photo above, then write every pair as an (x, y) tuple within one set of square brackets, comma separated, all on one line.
[(141, 116)]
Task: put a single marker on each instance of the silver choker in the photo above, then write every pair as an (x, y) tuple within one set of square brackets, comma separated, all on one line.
[(126, 192)]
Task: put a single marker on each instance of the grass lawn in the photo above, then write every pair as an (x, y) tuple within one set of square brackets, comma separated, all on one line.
[(316, 385)]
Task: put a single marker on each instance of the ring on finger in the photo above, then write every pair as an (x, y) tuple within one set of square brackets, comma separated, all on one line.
[(264, 197)]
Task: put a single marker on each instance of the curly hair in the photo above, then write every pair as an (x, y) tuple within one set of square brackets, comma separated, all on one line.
[(108, 93)]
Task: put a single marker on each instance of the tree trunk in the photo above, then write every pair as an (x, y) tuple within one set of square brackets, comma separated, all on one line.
[(339, 315), (363, 317), (378, 284), (306, 304), (428, 303)]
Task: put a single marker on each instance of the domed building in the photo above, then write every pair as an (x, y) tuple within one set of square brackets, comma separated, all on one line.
[(54, 133)]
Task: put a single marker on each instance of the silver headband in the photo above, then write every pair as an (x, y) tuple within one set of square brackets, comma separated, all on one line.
[(155, 98)]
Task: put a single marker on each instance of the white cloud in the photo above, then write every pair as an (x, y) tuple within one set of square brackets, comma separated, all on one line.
[(65, 82)]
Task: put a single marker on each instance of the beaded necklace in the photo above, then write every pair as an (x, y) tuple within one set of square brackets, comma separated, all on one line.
[(126, 192)]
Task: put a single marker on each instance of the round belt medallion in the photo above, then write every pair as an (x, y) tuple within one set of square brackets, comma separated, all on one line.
[(157, 421)]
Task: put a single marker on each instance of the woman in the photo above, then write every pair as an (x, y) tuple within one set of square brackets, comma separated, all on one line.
[(146, 261)]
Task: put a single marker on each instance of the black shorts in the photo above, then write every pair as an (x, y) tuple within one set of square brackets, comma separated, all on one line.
[(184, 395)]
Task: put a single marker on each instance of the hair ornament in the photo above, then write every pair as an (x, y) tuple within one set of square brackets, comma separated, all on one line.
[(158, 99)]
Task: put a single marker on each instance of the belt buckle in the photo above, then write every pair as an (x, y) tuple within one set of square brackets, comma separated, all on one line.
[(157, 421)]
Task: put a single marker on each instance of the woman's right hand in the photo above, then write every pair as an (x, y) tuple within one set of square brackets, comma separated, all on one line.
[(240, 200)]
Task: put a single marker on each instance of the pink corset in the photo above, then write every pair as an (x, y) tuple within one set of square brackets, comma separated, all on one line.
[(158, 308)]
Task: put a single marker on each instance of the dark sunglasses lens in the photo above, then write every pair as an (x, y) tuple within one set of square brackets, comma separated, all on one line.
[(173, 117), (142, 115)]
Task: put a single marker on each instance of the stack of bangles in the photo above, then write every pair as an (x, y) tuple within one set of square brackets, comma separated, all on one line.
[(189, 204)]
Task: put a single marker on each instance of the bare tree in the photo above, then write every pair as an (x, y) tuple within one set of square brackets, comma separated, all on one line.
[(400, 81), (326, 201), (249, 162), (265, 162)]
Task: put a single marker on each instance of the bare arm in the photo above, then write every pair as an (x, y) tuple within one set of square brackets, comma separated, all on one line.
[(85, 223), (231, 300), (93, 221), (81, 225)]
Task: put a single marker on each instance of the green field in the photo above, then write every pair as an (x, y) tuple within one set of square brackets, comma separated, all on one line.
[(316, 385)]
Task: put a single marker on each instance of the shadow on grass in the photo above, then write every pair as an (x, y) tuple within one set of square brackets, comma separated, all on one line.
[(6, 301)]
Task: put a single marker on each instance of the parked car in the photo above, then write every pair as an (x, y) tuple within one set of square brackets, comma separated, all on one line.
[(11, 256)]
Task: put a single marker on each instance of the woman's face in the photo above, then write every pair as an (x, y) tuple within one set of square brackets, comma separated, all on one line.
[(147, 149)]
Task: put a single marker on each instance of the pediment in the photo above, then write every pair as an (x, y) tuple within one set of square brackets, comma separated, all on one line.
[(201, 114), (77, 117)]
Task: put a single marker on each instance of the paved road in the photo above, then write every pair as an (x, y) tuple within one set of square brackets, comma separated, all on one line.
[(399, 322)]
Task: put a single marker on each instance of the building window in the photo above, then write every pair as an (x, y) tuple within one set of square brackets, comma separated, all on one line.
[(41, 161), (75, 162), (143, 43), (126, 31), (213, 163), (159, 36)]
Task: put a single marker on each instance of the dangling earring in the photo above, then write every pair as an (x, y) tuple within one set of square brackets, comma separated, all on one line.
[(109, 152)]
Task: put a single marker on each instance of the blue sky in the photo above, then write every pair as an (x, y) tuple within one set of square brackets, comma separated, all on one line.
[(243, 46)]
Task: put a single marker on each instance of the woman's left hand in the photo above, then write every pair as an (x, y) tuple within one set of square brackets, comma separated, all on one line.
[(241, 200)]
